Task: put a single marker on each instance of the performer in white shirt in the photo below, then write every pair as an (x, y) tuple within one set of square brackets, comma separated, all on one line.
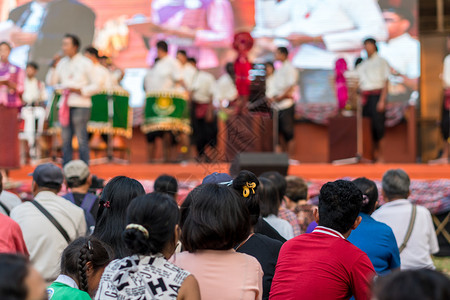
[(187, 68), (225, 92), (402, 52), (76, 76), (34, 91), (280, 93), (165, 76), (204, 122), (373, 82), (102, 76), (445, 120), (322, 31)]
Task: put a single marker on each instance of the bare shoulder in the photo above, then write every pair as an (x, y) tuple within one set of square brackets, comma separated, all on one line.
[(189, 289)]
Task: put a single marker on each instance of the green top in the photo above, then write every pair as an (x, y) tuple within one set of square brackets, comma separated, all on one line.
[(61, 291)]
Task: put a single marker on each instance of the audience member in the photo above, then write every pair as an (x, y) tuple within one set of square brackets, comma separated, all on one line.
[(151, 236), (412, 224), (412, 285), (8, 200), (79, 179), (270, 203), (214, 219), (296, 200), (19, 280), (46, 238), (11, 237), (82, 265), (323, 264), (261, 225), (283, 212), (111, 216), (263, 248), (166, 184), (376, 239)]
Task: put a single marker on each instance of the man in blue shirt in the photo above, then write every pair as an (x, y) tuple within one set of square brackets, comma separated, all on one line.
[(376, 239)]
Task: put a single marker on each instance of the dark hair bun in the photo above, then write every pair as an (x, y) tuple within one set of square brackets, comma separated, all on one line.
[(136, 241), (243, 178)]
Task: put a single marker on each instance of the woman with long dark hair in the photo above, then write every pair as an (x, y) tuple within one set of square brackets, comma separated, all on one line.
[(111, 216), (151, 237)]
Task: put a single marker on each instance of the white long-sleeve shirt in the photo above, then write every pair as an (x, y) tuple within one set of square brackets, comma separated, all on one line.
[(373, 73), (202, 88), (76, 72), (343, 25), (446, 72), (163, 76)]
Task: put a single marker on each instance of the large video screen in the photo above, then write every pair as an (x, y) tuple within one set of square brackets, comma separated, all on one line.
[(316, 32)]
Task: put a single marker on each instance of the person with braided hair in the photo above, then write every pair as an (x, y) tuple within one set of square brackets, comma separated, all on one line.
[(375, 238), (82, 265), (151, 236), (261, 247)]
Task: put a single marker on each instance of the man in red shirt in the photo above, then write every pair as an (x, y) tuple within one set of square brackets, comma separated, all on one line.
[(11, 238), (323, 264)]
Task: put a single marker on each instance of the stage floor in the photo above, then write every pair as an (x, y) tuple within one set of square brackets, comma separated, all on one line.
[(196, 171)]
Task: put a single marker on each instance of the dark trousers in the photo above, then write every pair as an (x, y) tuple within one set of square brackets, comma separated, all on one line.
[(377, 118)]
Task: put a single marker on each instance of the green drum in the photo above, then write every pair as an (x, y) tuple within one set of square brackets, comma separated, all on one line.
[(52, 113), (166, 112), (122, 114)]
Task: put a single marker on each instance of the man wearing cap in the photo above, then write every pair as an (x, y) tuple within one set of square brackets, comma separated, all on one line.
[(79, 179), (44, 241)]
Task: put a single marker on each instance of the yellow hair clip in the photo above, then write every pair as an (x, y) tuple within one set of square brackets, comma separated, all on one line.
[(246, 189)]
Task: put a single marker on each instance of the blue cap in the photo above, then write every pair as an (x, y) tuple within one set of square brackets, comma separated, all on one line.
[(217, 178), (48, 175)]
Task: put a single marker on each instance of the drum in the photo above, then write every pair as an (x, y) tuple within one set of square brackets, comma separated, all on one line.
[(166, 112), (122, 114), (52, 113)]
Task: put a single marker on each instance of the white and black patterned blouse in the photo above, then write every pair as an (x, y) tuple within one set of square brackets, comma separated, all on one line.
[(141, 278)]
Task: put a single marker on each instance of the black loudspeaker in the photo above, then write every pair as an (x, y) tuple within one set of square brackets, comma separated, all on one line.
[(260, 162)]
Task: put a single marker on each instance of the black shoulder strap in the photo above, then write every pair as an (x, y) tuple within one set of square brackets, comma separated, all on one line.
[(5, 208), (52, 219)]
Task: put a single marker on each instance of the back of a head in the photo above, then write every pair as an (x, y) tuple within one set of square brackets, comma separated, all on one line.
[(339, 205), (111, 217), (75, 39), (213, 217), (370, 193), (158, 214), (296, 188), (396, 184), (246, 185), (162, 46), (13, 271), (413, 285), (268, 196), (166, 184), (93, 51), (75, 257), (278, 180), (283, 50)]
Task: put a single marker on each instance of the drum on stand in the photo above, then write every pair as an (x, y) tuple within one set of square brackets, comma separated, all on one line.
[(166, 112)]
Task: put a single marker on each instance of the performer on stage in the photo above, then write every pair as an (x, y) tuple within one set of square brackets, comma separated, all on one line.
[(204, 122), (373, 82), (280, 93), (34, 92), (187, 68), (11, 88), (165, 76), (101, 75), (445, 121), (75, 75)]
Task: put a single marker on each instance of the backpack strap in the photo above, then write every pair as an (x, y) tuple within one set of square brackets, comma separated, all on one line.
[(88, 202), (5, 208), (69, 196), (52, 219), (412, 220)]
